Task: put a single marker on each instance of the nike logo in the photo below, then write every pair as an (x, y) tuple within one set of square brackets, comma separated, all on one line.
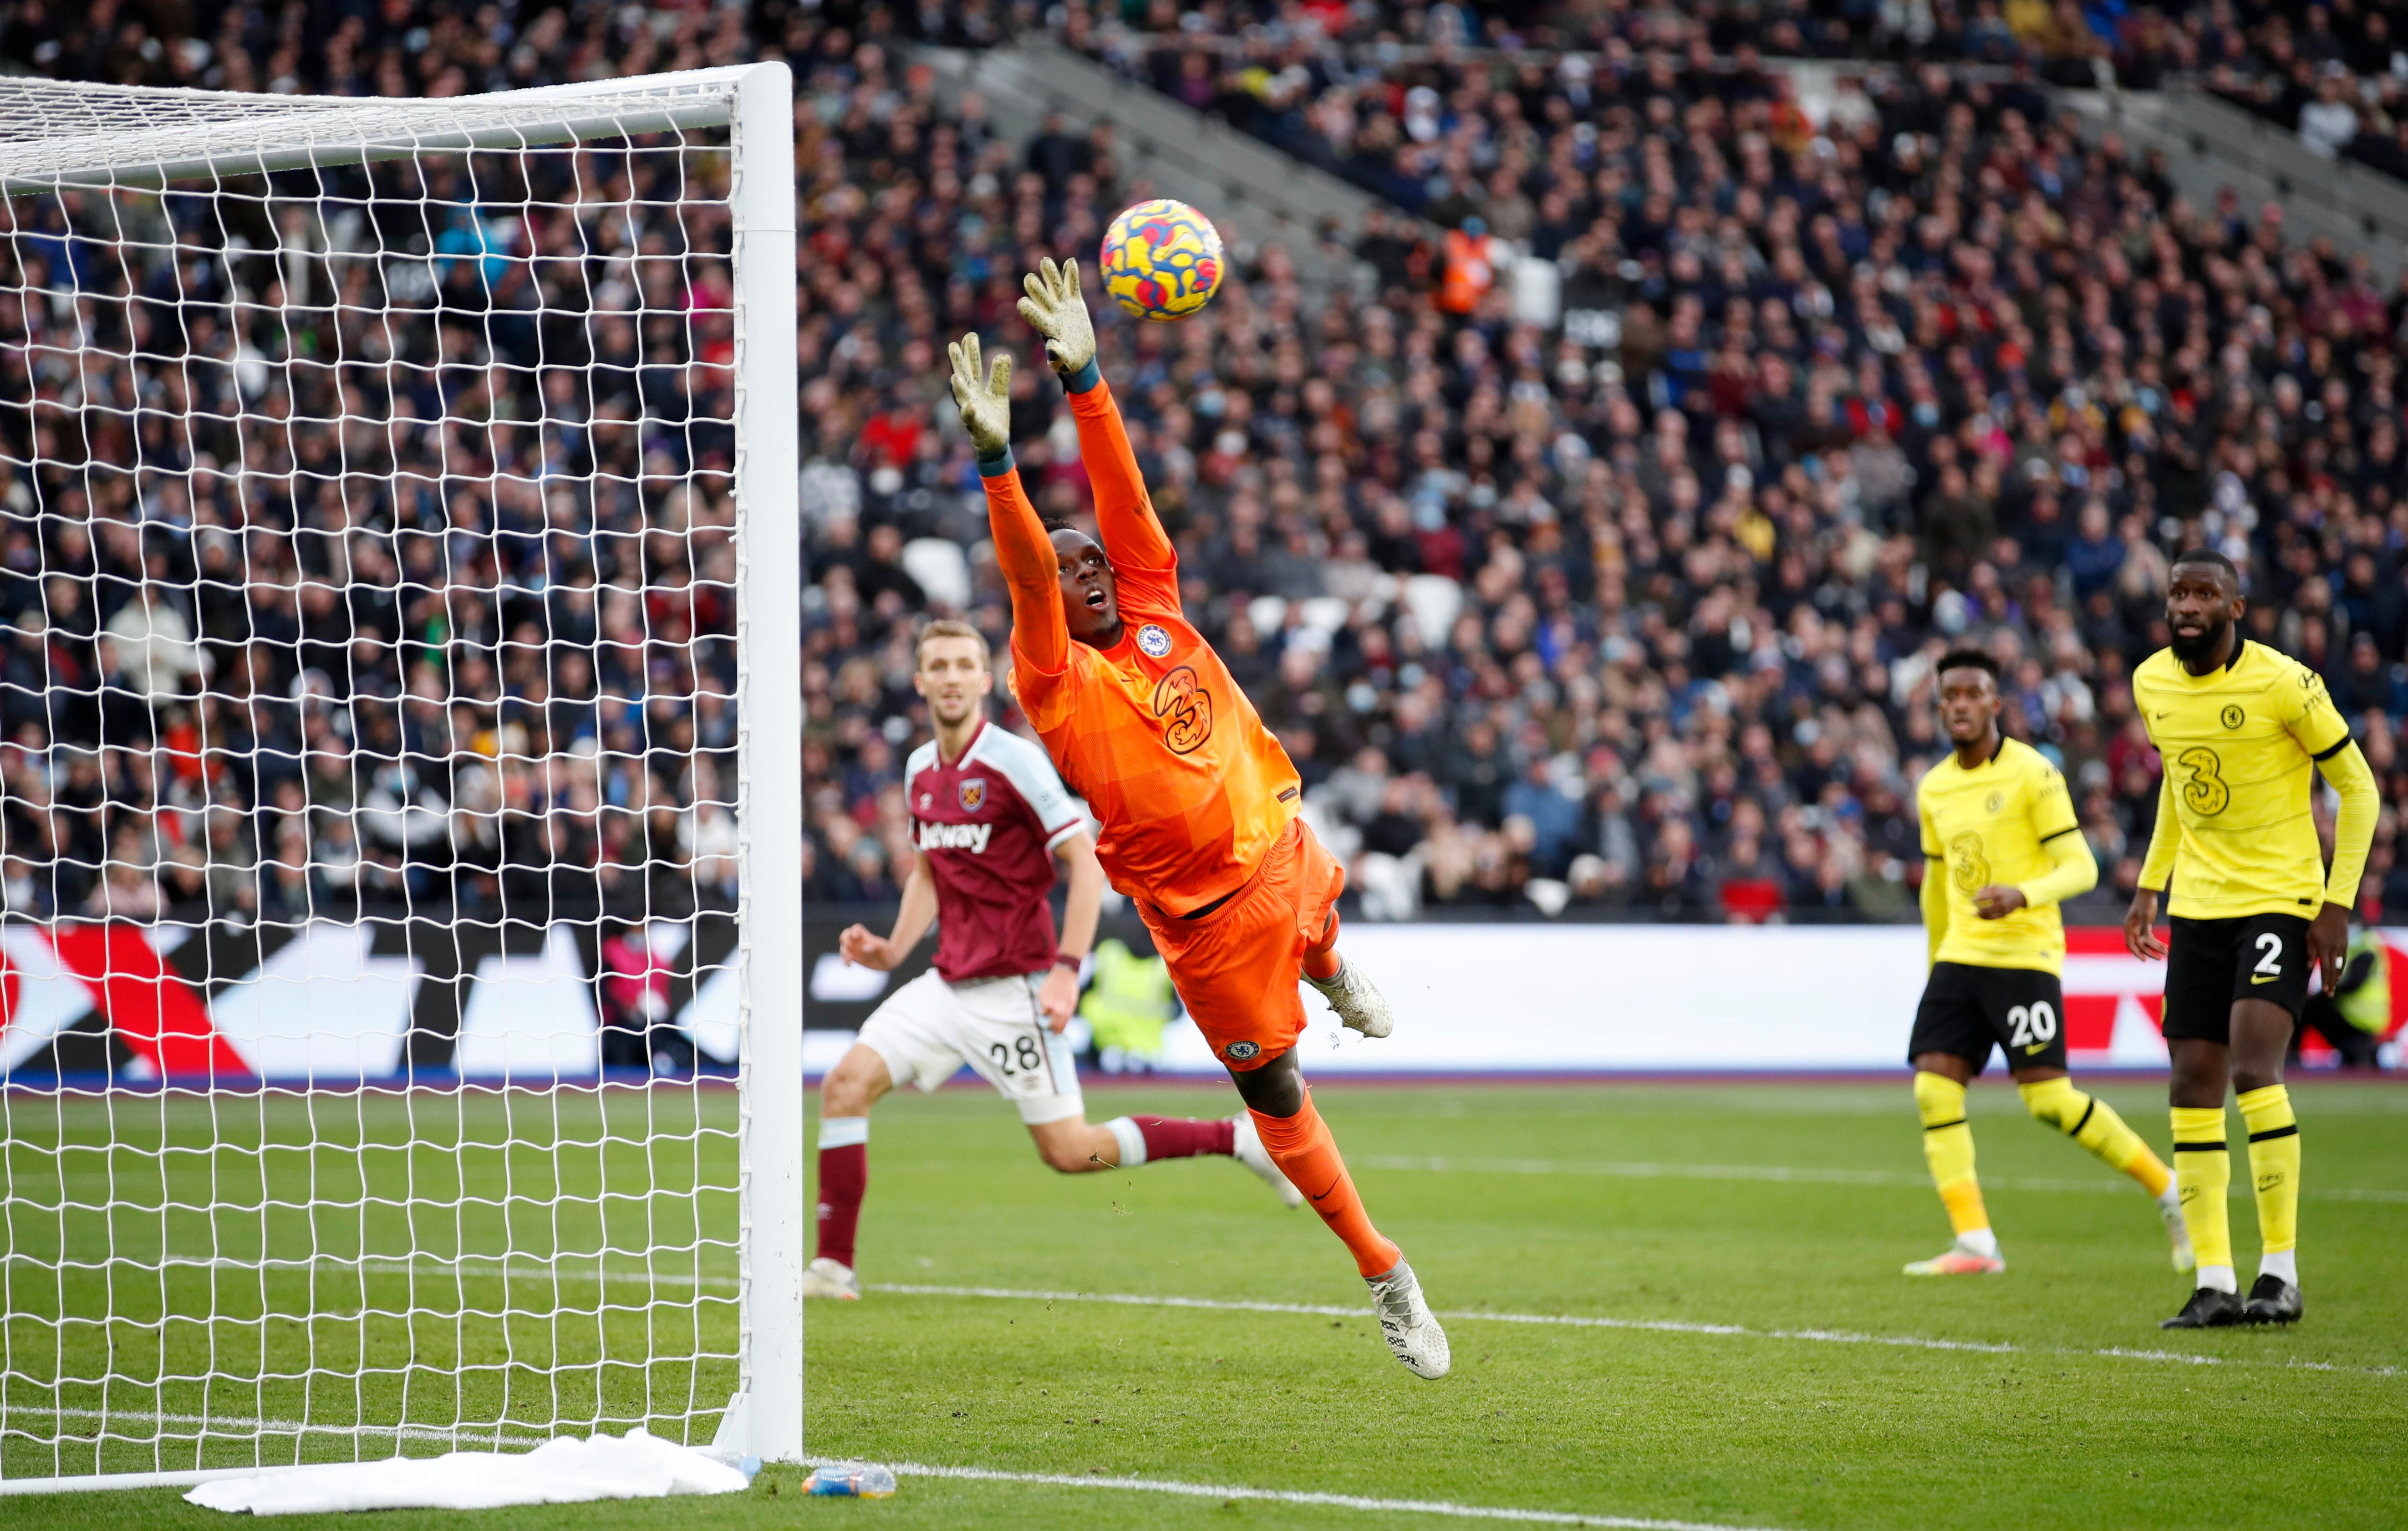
[(2266, 978), (2037, 1046)]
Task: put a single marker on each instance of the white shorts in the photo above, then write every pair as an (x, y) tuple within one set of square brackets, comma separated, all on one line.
[(928, 1027)]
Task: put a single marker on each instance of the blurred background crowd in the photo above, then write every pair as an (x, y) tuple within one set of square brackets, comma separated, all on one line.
[(1631, 613)]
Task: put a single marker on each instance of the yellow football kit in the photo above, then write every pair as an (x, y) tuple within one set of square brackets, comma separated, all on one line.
[(2240, 745), (1999, 823), (2236, 836), (1996, 982)]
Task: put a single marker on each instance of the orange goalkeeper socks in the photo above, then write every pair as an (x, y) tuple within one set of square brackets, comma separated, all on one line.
[(1305, 1152)]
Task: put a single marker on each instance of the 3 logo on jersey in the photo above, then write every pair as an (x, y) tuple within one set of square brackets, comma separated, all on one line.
[(1185, 708), (2205, 792)]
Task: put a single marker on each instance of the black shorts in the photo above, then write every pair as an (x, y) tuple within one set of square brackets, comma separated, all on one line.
[(2212, 964), (1966, 1009)]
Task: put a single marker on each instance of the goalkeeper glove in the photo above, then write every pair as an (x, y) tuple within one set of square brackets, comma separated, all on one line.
[(1054, 310), (984, 399)]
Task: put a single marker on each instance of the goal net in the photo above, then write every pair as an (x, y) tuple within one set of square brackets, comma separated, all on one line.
[(400, 909)]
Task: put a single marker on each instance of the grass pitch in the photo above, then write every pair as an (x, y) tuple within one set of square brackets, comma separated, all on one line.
[(1741, 1244)]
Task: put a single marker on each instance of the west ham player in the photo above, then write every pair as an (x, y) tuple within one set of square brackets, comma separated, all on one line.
[(1196, 799), (990, 818), (2242, 731), (2003, 850)]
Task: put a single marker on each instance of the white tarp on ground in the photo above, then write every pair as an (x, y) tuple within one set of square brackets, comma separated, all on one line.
[(563, 1471)]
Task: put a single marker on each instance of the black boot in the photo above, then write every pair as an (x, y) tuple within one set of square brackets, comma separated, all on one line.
[(2272, 1300), (2208, 1308)]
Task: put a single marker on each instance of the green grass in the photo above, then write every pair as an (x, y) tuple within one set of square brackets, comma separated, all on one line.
[(1541, 1213)]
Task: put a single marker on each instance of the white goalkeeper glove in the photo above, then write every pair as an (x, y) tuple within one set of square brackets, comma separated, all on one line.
[(1054, 310), (984, 397)]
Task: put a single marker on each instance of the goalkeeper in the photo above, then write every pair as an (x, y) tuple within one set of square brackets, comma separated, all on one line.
[(1196, 799)]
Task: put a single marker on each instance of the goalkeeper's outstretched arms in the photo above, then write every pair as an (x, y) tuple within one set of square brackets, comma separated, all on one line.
[(1141, 554), (1040, 640)]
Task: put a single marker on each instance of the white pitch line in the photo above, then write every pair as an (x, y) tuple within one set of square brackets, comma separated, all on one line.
[(1797, 1175), (1288, 1497), (228, 1425), (1574, 1320)]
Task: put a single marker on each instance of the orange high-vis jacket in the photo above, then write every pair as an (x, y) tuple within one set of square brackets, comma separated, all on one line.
[(1470, 270), (1189, 785)]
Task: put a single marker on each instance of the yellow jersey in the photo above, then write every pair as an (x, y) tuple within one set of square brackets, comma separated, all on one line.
[(1991, 825), (2240, 747)]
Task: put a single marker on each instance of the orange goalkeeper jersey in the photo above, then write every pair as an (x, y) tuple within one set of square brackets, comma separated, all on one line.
[(1190, 788)]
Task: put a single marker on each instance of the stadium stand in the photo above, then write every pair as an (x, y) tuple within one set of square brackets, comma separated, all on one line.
[(1633, 617)]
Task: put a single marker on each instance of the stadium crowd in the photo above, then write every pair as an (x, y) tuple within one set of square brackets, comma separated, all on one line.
[(1636, 612), (366, 534), (1375, 93), (1643, 615)]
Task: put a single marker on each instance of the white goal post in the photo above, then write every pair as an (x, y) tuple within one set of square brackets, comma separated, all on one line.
[(401, 959)]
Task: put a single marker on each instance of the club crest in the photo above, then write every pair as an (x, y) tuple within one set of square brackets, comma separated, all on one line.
[(972, 793), (1242, 1050), (1152, 641)]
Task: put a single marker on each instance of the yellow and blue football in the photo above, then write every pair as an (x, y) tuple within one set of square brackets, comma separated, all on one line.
[(1161, 260)]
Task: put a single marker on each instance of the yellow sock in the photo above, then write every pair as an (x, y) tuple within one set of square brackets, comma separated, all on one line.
[(1948, 1147), (2093, 1123), (2203, 1170), (2274, 1165)]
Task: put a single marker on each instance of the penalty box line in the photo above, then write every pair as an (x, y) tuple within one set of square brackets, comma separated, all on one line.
[(1286, 1497), (1661, 1326)]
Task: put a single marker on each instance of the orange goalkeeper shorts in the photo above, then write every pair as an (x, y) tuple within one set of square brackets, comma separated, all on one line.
[(1237, 966)]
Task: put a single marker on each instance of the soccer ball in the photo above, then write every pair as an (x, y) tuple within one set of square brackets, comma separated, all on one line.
[(1161, 260)]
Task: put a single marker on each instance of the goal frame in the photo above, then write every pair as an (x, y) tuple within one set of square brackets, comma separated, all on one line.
[(756, 104)]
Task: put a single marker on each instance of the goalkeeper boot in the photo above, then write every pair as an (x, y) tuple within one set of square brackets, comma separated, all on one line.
[(1358, 1004), (1959, 1259), (2170, 1208), (1247, 1146), (2272, 1300), (1411, 1328), (2208, 1308), (824, 1278)]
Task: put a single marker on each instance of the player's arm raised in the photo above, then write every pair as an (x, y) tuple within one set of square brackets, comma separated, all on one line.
[(1080, 910), (862, 947), (1041, 640), (1131, 532)]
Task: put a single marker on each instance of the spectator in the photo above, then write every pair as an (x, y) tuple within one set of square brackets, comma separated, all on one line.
[(2329, 123)]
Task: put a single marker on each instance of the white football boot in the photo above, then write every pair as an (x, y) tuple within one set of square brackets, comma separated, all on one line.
[(824, 1278), (1358, 1003), (1412, 1329), (1251, 1153)]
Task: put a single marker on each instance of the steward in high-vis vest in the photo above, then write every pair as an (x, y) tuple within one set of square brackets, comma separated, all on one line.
[(1474, 259), (2356, 1018), (1128, 1004)]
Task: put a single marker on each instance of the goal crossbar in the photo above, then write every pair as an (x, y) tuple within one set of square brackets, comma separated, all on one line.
[(117, 138)]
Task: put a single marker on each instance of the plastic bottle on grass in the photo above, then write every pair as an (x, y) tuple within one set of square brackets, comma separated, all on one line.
[(853, 1481)]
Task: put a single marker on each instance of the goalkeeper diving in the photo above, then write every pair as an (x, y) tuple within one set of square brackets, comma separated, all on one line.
[(1196, 799)]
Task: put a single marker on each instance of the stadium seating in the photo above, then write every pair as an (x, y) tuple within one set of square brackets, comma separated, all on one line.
[(1636, 616)]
